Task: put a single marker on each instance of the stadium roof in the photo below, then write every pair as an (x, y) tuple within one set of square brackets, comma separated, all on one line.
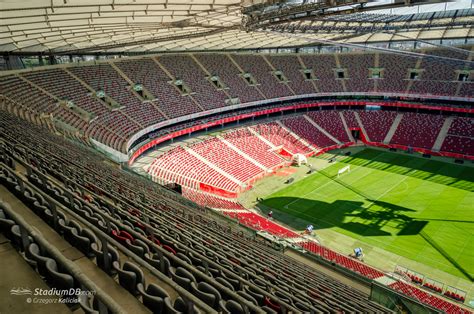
[(138, 26)]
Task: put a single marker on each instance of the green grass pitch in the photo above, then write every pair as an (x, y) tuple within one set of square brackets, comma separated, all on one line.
[(414, 207)]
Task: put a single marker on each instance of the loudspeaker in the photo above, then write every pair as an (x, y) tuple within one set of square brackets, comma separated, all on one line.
[(458, 161), (348, 153), (290, 180), (427, 155), (392, 149), (310, 171)]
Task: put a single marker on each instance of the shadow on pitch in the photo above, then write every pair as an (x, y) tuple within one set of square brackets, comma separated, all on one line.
[(372, 220)]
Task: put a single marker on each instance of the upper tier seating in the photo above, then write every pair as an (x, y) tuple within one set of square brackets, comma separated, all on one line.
[(358, 66), (261, 71), (227, 159), (377, 123), (146, 72), (323, 67), (418, 130), (250, 144), (281, 137), (309, 132), (292, 70), (221, 66), (36, 100), (184, 68), (439, 77), (331, 122), (395, 73), (104, 77), (59, 83), (105, 127)]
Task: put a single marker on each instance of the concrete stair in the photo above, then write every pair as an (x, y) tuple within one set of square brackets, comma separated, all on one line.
[(210, 164), (241, 153), (359, 121), (261, 138), (349, 134), (296, 136), (321, 129), (442, 134), (393, 128)]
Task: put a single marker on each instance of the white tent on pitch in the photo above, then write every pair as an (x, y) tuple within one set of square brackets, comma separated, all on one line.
[(299, 159)]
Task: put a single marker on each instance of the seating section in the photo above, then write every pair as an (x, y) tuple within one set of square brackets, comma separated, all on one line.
[(349, 117), (439, 77), (418, 130), (458, 144), (185, 68), (462, 126), (179, 166), (278, 136), (261, 71), (37, 101), (104, 77), (228, 73), (324, 67), (146, 72), (227, 159), (377, 123), (358, 76), (303, 128), (251, 145), (427, 298), (210, 200), (109, 127), (331, 122), (395, 73), (292, 70)]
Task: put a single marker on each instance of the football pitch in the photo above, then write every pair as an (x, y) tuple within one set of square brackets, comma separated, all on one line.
[(414, 207)]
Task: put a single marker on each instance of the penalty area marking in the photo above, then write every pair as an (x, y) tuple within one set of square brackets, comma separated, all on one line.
[(287, 206)]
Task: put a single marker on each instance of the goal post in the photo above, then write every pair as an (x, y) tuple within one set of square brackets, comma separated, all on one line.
[(342, 170)]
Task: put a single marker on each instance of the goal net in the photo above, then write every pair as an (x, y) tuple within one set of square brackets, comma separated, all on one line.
[(342, 170)]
